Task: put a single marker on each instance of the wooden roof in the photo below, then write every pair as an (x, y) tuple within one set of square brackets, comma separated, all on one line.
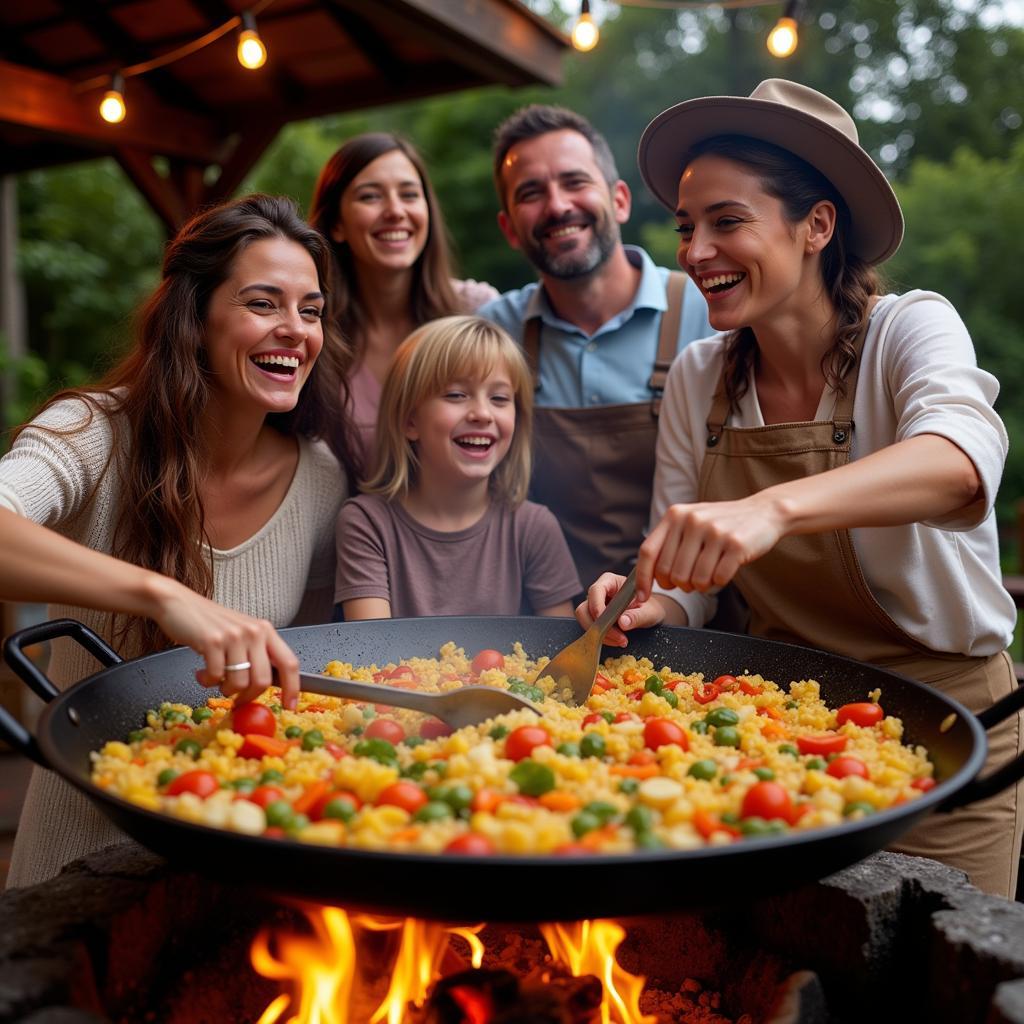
[(205, 110)]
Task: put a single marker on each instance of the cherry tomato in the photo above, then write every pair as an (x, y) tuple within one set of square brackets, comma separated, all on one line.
[(400, 671), (864, 714), (624, 716), (254, 718), (406, 795), (199, 782), (726, 684), (661, 732), (520, 742), (840, 767), (637, 694), (642, 757), (592, 719), (336, 751), (487, 659), (827, 743), (472, 843), (486, 800), (385, 729), (767, 800), (433, 728), (923, 784), (274, 832), (263, 795)]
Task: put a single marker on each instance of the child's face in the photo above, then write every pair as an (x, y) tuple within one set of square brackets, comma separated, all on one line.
[(463, 433)]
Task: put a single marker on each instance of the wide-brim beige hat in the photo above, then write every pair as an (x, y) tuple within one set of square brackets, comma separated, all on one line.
[(797, 118)]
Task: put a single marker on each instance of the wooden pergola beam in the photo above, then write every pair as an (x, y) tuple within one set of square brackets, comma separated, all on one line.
[(36, 99)]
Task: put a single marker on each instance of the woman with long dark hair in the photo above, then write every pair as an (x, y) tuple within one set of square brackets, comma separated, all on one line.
[(392, 259), (190, 497), (833, 450)]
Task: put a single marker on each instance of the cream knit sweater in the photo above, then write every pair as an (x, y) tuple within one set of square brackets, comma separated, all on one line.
[(48, 478)]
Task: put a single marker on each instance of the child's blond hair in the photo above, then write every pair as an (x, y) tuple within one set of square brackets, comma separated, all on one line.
[(426, 363)]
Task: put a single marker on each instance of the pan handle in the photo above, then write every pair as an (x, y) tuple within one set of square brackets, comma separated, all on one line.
[(1008, 774), (14, 733), (30, 673)]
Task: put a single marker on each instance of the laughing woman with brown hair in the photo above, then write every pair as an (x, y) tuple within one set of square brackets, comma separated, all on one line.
[(190, 497)]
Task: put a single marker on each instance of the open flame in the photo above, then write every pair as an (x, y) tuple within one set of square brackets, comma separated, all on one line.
[(324, 982)]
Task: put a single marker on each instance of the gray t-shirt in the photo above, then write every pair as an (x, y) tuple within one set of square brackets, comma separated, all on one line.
[(512, 560)]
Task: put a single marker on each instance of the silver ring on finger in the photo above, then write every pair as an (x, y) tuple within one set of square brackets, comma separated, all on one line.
[(242, 666)]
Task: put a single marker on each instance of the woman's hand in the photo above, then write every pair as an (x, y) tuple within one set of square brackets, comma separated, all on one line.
[(702, 546), (638, 615), (226, 638)]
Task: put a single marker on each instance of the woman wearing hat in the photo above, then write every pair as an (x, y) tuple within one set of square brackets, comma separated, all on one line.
[(832, 450)]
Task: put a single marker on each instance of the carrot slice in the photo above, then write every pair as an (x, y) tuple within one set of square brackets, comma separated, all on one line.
[(219, 702), (406, 835), (635, 771), (268, 745), (309, 796), (559, 800)]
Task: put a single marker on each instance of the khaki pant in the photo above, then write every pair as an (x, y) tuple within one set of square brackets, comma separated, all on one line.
[(983, 838)]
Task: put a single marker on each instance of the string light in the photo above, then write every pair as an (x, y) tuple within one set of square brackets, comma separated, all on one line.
[(783, 38), (252, 53), (584, 33), (112, 108)]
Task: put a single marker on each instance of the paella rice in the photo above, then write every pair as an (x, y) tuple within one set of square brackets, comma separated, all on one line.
[(655, 759)]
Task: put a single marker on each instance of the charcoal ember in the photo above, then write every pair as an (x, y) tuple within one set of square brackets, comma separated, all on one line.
[(496, 996)]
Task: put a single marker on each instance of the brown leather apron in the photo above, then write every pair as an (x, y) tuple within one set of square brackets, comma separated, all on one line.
[(811, 590), (594, 467)]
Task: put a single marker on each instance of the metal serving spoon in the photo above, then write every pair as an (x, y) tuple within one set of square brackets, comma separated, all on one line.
[(575, 666), (469, 705)]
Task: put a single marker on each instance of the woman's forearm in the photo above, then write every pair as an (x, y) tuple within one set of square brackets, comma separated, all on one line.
[(924, 477)]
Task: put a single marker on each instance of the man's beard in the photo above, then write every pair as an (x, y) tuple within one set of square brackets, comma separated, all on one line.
[(576, 263)]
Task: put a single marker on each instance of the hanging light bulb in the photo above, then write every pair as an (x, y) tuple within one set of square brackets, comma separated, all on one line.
[(252, 53), (783, 38), (112, 108), (584, 33)]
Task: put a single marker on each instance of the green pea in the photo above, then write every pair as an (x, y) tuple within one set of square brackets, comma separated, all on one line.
[(340, 808), (653, 684), (730, 818), (136, 736), (293, 732), (377, 750), (369, 712), (815, 764), (243, 785), (640, 818), (583, 823), (173, 716), (280, 814), (499, 732), (435, 810), (725, 780), (458, 797), (629, 786), (764, 774), (791, 704), (166, 777), (356, 731), (524, 689), (649, 841), (607, 716), (706, 769), (533, 778), (415, 771), (722, 716), (276, 708), (604, 810), (189, 747), (700, 727), (271, 775), (860, 807), (298, 823), (313, 739), (592, 745), (440, 768), (413, 741), (670, 698), (201, 714), (727, 736), (788, 748), (569, 749), (755, 827)]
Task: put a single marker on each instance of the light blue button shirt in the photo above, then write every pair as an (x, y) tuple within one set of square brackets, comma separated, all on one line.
[(613, 365)]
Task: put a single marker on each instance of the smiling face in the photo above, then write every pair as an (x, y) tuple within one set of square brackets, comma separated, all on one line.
[(750, 261), (384, 216), (462, 434), (263, 326), (560, 211)]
